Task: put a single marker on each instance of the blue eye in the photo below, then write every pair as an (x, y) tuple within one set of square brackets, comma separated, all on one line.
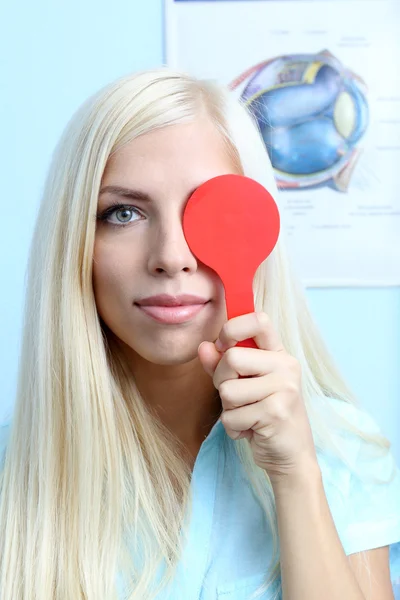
[(124, 215), (120, 215)]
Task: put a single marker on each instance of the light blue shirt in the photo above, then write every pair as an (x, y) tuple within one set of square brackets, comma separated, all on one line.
[(229, 544)]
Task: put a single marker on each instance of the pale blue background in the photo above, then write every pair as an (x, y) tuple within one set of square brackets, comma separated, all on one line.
[(52, 56)]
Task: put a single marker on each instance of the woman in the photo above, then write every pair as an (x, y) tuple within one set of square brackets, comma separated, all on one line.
[(138, 465)]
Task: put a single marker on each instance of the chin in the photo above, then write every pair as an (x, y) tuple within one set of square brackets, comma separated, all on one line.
[(171, 355), (165, 348), (172, 361)]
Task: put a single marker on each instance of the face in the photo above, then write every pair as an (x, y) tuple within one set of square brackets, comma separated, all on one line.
[(140, 249)]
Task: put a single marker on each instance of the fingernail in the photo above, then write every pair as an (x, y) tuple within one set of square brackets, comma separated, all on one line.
[(218, 345)]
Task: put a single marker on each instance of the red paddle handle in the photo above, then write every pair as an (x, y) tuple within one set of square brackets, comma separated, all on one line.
[(249, 343), (241, 302)]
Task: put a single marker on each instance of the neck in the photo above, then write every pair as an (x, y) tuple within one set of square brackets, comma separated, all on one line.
[(182, 396)]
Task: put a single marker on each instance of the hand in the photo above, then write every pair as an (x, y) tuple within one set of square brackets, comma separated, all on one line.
[(265, 405)]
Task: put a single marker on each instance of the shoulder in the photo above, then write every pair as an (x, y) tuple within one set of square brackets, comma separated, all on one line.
[(360, 446), (353, 439), (363, 484)]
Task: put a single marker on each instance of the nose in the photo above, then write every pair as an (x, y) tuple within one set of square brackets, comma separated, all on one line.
[(169, 252)]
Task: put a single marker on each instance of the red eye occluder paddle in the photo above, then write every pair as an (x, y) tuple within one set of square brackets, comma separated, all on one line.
[(231, 224)]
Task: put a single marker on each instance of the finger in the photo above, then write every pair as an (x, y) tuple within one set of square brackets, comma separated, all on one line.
[(254, 325), (252, 416), (209, 357), (248, 362), (240, 392)]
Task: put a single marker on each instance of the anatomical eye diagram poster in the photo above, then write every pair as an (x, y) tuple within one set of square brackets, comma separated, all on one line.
[(321, 78)]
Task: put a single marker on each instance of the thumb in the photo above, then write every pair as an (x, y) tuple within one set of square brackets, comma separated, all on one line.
[(209, 357)]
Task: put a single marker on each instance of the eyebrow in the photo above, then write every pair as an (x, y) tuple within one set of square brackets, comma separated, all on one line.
[(132, 194), (125, 192)]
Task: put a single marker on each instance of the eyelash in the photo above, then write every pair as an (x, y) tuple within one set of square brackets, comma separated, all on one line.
[(114, 208)]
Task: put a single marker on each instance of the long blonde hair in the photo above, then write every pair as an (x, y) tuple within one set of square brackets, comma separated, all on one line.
[(93, 486)]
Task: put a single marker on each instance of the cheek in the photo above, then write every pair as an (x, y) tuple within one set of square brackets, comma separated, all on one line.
[(219, 291), (113, 276)]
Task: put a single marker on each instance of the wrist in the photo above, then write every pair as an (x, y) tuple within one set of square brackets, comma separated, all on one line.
[(306, 476)]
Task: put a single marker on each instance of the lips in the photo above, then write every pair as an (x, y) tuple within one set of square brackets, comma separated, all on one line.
[(167, 300), (172, 309)]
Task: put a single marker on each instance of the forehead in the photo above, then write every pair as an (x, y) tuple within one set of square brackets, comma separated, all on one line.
[(175, 152)]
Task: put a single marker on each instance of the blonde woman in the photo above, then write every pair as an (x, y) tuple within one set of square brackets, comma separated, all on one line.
[(137, 464)]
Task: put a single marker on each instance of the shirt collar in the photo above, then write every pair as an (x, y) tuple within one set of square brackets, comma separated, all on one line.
[(216, 432)]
